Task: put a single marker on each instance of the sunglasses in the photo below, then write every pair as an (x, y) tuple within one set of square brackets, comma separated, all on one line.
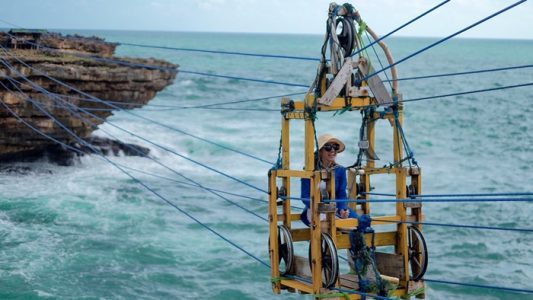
[(329, 147)]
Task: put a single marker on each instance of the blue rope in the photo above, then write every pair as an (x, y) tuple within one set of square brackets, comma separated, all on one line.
[(407, 200), (215, 108), (266, 55), (480, 286), (465, 226), (469, 92), (231, 102), (379, 60), (401, 27), (34, 128), (191, 184), (222, 52), (142, 117), (463, 73), (475, 195), (131, 148), (206, 188), (454, 195), (224, 238), (378, 194), (146, 140), (153, 67), (443, 40), (437, 96), (244, 79), (129, 175)]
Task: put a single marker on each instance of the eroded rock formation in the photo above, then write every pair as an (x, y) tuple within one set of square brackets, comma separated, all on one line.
[(28, 65)]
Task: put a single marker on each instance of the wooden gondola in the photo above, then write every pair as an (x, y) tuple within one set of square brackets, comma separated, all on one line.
[(343, 84)]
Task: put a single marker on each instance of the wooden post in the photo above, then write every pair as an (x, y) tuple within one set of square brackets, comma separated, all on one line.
[(365, 178), (331, 215), (309, 137), (285, 146), (401, 193), (273, 222), (316, 234)]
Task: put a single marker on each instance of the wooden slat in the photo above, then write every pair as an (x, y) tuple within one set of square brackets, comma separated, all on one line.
[(349, 281), (376, 84), (294, 173), (297, 285), (293, 217), (339, 82), (337, 104), (300, 234), (382, 239), (390, 264)]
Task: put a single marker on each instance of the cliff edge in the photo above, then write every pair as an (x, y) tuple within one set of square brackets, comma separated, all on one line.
[(32, 60)]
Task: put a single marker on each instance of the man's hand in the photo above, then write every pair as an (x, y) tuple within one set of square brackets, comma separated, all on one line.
[(344, 213)]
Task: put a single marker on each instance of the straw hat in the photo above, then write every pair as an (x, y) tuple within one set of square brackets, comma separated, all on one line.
[(329, 138)]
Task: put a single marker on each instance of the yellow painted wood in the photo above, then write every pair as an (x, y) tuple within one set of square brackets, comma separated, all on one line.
[(295, 173), (316, 235), (301, 234), (375, 171), (365, 179), (273, 227), (401, 247), (286, 182), (338, 228), (309, 139), (331, 216), (298, 285), (297, 115), (338, 103), (381, 239)]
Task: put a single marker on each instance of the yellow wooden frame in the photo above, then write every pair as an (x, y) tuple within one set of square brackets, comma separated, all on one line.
[(337, 228)]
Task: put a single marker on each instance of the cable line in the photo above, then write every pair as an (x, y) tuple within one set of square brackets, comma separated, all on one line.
[(206, 188), (222, 52), (131, 148), (194, 185), (462, 73), (401, 27), (239, 101), (409, 200), (441, 40), (138, 116), (454, 195), (469, 92), (463, 226), (144, 139), (475, 195), (96, 151), (154, 67), (244, 79), (480, 286)]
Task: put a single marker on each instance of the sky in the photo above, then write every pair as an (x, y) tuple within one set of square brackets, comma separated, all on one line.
[(269, 16)]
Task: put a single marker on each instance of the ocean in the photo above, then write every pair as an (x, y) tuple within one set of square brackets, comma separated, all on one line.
[(89, 231)]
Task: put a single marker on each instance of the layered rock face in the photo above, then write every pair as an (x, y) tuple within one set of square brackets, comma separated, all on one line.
[(35, 81)]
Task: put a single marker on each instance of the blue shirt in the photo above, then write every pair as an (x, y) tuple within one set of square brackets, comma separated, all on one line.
[(340, 188)]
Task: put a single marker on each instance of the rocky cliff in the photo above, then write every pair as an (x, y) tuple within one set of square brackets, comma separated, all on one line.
[(85, 64)]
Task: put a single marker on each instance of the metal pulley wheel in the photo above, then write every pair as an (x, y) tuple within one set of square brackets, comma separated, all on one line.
[(345, 30), (285, 250), (418, 253), (330, 260)]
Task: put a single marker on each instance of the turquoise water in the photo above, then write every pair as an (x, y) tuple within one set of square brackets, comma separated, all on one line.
[(91, 232)]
